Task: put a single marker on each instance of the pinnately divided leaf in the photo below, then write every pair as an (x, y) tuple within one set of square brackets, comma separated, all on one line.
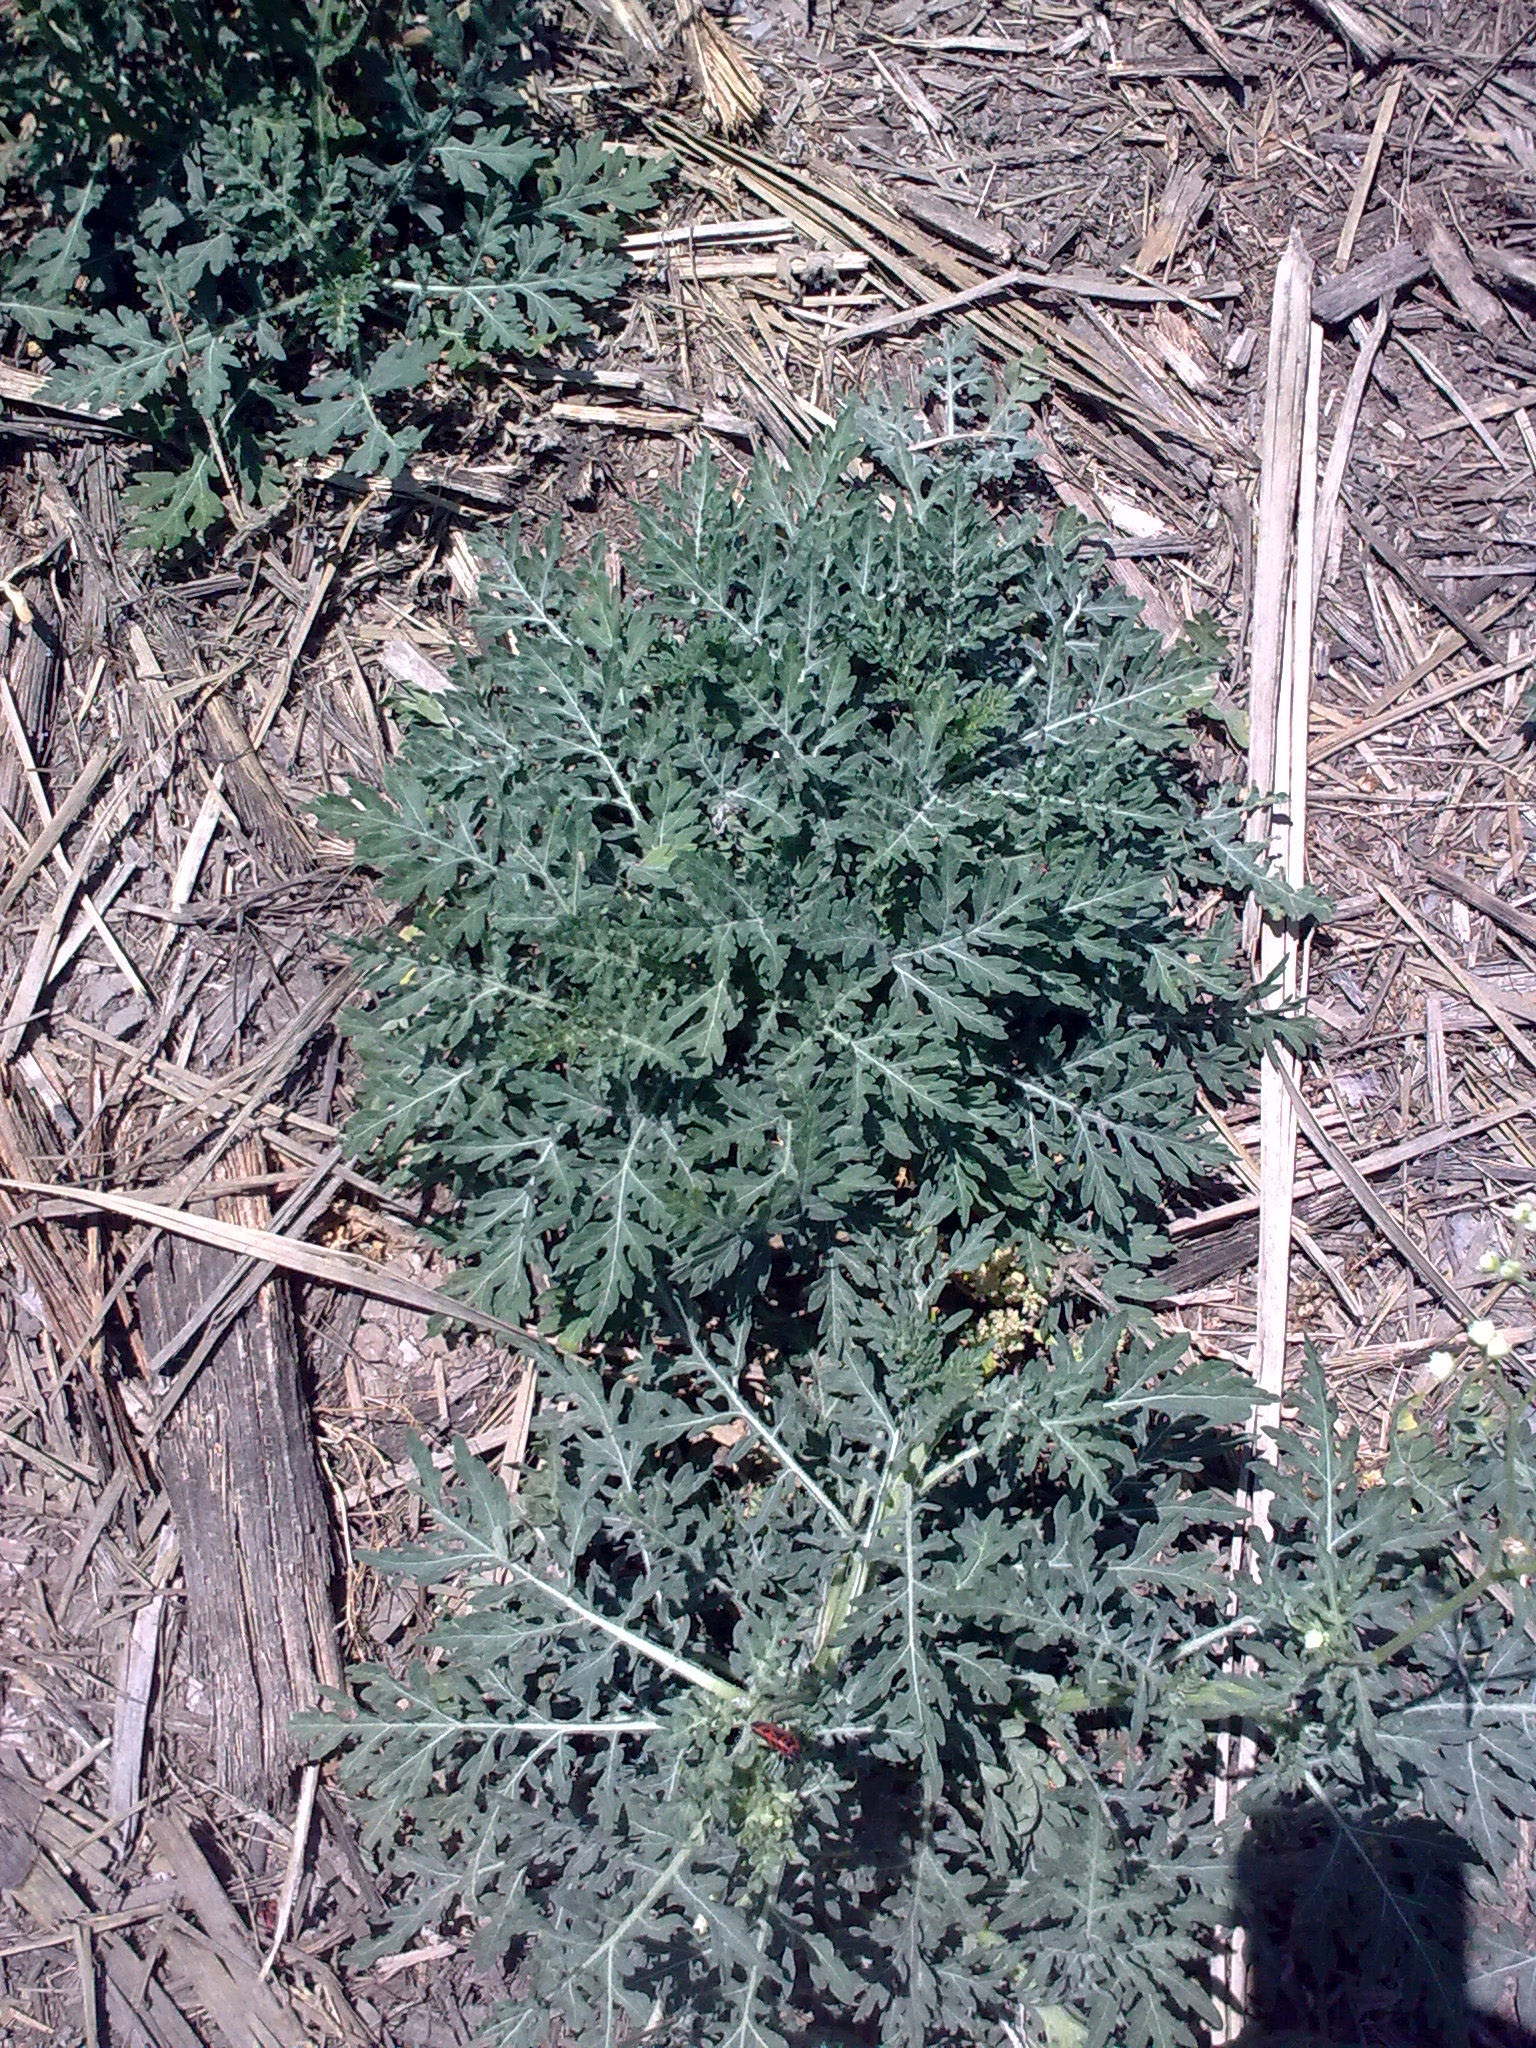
[(796, 1005)]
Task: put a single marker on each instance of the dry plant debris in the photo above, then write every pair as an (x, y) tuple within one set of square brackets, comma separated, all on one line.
[(1111, 192)]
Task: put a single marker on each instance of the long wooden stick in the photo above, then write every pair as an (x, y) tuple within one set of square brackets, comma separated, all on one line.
[(1280, 468), (1280, 674), (1280, 952)]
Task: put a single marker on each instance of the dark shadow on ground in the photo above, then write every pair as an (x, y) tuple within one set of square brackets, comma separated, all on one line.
[(1359, 1936)]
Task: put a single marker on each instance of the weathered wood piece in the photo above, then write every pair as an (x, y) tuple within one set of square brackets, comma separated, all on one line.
[(1340, 298), (1453, 267), (1364, 36), (1505, 266), (237, 1460)]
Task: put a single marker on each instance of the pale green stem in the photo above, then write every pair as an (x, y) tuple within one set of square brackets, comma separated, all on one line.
[(553, 1729), (768, 1436), (680, 1667), (1493, 1575), (642, 1906)]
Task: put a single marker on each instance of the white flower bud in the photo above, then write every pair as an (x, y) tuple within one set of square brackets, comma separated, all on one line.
[(1488, 1338), (1440, 1365), (1314, 1639)]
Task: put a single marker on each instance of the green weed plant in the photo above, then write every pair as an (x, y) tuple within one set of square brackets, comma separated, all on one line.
[(809, 957), (268, 227)]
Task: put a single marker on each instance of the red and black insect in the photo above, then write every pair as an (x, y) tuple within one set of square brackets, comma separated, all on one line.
[(784, 1740)]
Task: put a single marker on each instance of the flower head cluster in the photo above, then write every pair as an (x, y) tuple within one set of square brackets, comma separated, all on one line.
[(1493, 1342), (1499, 1266)]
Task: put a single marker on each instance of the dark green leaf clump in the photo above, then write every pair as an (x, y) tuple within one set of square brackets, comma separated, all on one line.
[(899, 1721), (828, 879), (266, 224)]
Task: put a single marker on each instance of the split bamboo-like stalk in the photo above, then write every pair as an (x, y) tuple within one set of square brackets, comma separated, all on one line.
[(1280, 675), (721, 69), (631, 22), (1284, 575)]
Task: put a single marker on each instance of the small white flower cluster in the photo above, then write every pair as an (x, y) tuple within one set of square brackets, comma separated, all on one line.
[(1484, 1334), (1501, 1267), (1489, 1338)]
